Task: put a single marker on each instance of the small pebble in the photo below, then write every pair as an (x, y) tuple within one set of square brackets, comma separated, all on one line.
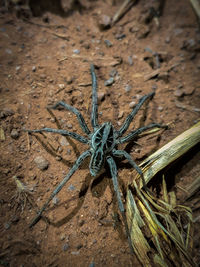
[(76, 51), (109, 81), (71, 187), (75, 252), (189, 90), (8, 51), (104, 22), (62, 237), (41, 163), (178, 93), (6, 112), (101, 96), (63, 141), (18, 68), (120, 36), (69, 151), (121, 114), (58, 158), (113, 73), (55, 200), (108, 43), (61, 86), (132, 104), (160, 108), (167, 40), (69, 125), (14, 134), (34, 69), (128, 88), (7, 225), (130, 60), (65, 247)]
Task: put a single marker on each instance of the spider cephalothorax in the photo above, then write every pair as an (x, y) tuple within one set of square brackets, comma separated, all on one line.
[(102, 143), (103, 146)]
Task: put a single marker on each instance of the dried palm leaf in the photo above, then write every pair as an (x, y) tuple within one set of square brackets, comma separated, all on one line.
[(161, 230)]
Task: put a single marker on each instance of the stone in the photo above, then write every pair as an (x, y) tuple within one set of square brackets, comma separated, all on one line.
[(14, 134), (41, 163)]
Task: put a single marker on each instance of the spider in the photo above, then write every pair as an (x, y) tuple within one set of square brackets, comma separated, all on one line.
[(103, 142)]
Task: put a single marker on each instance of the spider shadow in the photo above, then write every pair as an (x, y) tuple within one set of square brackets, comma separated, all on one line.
[(51, 150), (128, 148), (80, 197), (98, 188)]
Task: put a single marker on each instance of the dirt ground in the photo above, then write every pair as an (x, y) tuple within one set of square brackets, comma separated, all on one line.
[(46, 58)]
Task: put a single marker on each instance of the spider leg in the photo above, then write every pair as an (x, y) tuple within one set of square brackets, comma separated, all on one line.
[(76, 112), (130, 117), (94, 114), (113, 170), (62, 132), (123, 153), (60, 186), (136, 132)]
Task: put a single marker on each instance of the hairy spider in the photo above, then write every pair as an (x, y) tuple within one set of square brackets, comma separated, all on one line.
[(102, 141)]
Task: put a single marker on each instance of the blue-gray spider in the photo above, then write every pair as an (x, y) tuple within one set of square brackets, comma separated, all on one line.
[(102, 143)]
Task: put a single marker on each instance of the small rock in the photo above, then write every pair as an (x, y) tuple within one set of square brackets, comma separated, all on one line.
[(160, 108), (167, 40), (69, 151), (7, 225), (65, 247), (58, 158), (132, 104), (18, 68), (128, 88), (41, 163), (101, 96), (6, 112), (189, 90), (61, 86), (75, 252), (113, 73), (8, 51), (62, 237), (69, 125), (63, 141), (121, 114), (71, 187), (109, 81), (120, 36), (104, 22), (14, 134), (178, 93), (76, 51), (108, 43), (86, 45), (55, 200), (34, 69), (130, 60)]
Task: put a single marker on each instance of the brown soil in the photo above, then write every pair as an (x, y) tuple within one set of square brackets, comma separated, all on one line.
[(40, 65)]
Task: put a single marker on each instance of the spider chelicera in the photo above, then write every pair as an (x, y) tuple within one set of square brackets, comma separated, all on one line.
[(102, 141)]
